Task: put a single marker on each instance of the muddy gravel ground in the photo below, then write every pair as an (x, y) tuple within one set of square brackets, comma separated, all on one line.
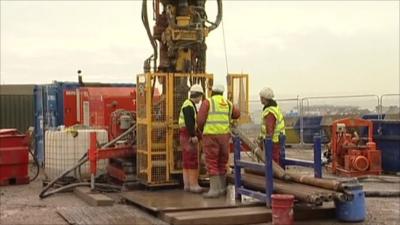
[(20, 204)]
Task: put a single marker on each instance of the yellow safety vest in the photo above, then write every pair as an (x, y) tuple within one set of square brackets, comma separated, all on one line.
[(219, 116), (279, 125), (181, 120)]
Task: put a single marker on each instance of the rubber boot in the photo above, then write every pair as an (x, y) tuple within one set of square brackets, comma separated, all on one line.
[(214, 188), (194, 181), (222, 180), (186, 180)]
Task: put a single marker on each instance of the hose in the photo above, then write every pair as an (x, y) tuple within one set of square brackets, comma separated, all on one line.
[(382, 193), (83, 160), (147, 27), (69, 186), (37, 166), (384, 179), (219, 16)]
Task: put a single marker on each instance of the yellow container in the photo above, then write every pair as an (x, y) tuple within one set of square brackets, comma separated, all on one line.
[(292, 136)]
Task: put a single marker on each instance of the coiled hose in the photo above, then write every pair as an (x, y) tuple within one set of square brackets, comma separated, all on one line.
[(44, 193), (37, 166)]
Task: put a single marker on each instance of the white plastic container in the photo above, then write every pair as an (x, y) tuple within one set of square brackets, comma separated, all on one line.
[(62, 151)]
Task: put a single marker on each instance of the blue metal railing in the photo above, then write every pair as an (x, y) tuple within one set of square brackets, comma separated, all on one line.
[(262, 167), (316, 164), (267, 167)]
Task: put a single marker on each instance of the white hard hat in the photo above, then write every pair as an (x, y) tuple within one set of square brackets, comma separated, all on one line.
[(267, 93), (196, 88), (218, 88)]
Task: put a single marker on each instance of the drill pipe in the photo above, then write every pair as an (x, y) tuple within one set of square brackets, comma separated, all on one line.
[(278, 171), (318, 182), (328, 184), (325, 194), (257, 183)]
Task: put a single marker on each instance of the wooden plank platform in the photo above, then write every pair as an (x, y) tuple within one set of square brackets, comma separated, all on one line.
[(102, 215), (93, 199), (178, 200), (243, 215), (227, 216)]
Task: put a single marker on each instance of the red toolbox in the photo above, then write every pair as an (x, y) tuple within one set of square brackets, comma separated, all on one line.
[(14, 158)]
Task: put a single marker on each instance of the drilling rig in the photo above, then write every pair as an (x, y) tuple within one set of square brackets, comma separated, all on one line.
[(178, 39)]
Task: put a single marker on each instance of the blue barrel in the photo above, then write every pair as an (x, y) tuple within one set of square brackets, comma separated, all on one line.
[(387, 139), (354, 210)]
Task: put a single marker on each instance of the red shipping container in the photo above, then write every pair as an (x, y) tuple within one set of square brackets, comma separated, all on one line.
[(97, 104), (14, 158), (70, 108)]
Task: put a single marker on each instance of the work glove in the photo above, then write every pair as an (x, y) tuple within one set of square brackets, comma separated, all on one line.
[(259, 141), (194, 140), (199, 135), (235, 131), (257, 150)]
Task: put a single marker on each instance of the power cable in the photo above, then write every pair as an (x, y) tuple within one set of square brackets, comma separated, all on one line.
[(226, 55)]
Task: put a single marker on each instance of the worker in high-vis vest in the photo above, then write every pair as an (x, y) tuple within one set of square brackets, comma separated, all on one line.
[(214, 120), (272, 122), (188, 137)]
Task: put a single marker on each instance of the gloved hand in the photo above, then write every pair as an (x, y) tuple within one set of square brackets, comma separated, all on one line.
[(194, 140), (260, 139), (234, 131), (258, 142), (199, 136), (257, 150)]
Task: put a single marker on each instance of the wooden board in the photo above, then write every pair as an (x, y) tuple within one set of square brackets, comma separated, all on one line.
[(227, 216), (244, 215), (93, 199), (178, 200), (102, 215)]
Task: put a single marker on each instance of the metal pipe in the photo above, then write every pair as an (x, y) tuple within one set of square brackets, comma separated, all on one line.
[(83, 160), (279, 172), (153, 42), (254, 182), (219, 16), (382, 193), (268, 171), (236, 141)]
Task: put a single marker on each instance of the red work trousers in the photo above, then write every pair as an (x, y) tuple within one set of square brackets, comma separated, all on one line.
[(276, 152), (216, 149), (190, 151)]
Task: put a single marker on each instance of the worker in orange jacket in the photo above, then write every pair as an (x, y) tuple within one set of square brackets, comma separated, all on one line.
[(214, 118), (188, 137), (272, 122)]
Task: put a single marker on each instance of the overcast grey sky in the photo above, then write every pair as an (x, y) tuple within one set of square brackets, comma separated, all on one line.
[(295, 47)]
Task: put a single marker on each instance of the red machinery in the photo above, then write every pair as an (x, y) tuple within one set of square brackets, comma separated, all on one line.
[(113, 109), (14, 157), (98, 103), (351, 154)]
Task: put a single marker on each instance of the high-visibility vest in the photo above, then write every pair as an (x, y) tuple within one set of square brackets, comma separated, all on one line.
[(219, 116), (181, 121), (279, 125)]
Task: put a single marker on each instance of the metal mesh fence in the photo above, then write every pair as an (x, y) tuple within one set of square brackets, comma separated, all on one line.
[(152, 128)]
